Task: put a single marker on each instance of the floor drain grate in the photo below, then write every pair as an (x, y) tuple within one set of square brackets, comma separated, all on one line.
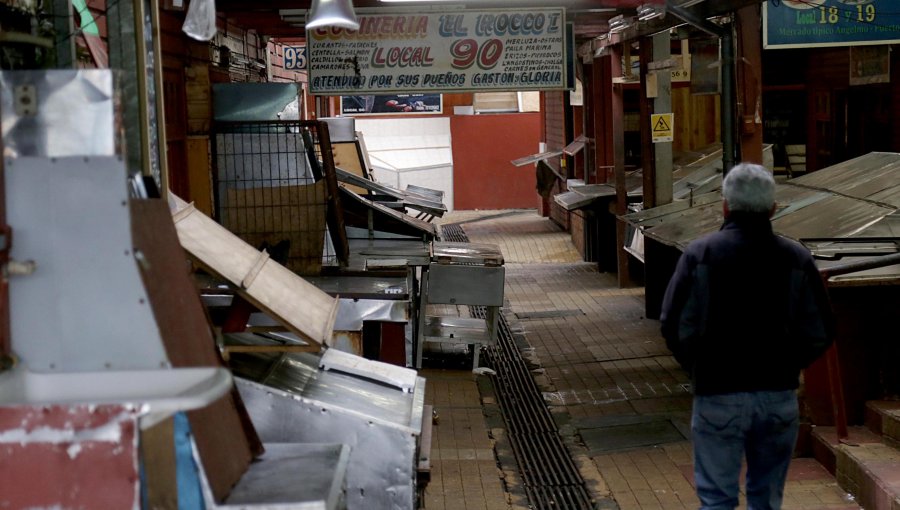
[(551, 479)]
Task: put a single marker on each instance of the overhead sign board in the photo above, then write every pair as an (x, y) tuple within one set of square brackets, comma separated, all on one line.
[(441, 51), (808, 23)]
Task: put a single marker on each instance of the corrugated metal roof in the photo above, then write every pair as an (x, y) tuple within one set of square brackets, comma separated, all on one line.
[(874, 176), (839, 201), (856, 198), (832, 216)]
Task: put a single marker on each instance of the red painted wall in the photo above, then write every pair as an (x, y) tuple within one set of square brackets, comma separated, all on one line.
[(483, 146)]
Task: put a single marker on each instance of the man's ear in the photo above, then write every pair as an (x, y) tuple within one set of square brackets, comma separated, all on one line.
[(725, 210), (772, 211)]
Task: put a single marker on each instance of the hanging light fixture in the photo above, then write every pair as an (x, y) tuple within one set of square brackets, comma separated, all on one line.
[(647, 12), (619, 23), (332, 13)]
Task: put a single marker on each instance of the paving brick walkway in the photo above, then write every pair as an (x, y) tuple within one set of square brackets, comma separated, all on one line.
[(620, 398), (464, 473)]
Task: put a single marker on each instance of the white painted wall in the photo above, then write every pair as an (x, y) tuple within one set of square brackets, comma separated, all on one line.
[(411, 151)]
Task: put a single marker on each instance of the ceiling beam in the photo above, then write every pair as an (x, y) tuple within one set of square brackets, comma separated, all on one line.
[(477, 4), (696, 9)]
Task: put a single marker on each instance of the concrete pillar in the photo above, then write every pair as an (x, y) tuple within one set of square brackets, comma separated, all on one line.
[(662, 103)]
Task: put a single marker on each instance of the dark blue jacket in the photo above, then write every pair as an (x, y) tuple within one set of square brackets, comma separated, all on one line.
[(746, 310)]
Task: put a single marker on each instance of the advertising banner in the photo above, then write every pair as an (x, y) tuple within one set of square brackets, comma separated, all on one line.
[(441, 51), (391, 103), (809, 23)]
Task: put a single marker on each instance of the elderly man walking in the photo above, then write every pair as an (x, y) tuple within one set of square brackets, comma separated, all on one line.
[(744, 312)]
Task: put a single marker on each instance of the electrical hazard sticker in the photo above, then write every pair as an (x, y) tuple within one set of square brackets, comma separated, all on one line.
[(662, 126)]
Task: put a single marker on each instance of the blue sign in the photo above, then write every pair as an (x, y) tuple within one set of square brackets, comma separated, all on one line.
[(295, 57), (809, 23)]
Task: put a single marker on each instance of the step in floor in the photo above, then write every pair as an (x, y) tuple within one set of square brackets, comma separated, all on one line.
[(862, 464), (883, 417)]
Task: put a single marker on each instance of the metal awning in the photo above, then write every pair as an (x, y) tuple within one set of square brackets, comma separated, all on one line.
[(426, 204), (856, 198), (695, 173), (576, 146), (579, 197), (534, 158)]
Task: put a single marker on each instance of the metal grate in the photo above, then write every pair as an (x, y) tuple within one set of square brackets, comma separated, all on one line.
[(551, 479), (269, 190)]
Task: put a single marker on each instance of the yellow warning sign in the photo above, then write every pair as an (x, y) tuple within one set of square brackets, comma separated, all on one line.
[(662, 127)]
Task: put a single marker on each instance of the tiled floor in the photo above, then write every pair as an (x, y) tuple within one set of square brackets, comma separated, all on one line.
[(464, 472), (603, 366)]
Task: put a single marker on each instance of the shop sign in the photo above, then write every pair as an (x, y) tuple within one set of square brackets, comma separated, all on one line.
[(441, 51), (295, 58), (809, 23)]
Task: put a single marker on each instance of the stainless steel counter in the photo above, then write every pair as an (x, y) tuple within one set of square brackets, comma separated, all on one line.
[(291, 399)]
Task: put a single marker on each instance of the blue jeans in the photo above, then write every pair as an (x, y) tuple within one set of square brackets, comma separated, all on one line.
[(724, 428)]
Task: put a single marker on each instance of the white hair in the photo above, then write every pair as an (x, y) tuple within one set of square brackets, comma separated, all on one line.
[(749, 188)]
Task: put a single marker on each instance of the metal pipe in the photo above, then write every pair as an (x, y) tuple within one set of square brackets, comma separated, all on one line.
[(727, 100), (64, 24), (860, 265), (689, 17), (5, 244), (727, 96)]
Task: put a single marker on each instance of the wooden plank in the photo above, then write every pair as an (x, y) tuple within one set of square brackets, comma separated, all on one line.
[(270, 348), (158, 462), (429, 204), (347, 157), (225, 437), (254, 271), (335, 210), (295, 303), (696, 119), (199, 181), (264, 329), (198, 92), (361, 141), (358, 208)]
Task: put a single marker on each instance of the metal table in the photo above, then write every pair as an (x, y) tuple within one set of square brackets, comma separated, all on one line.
[(461, 274), (374, 408)]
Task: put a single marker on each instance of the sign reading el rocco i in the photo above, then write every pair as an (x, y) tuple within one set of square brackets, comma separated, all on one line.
[(441, 51)]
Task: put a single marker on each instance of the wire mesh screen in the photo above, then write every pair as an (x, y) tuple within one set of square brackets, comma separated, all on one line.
[(270, 192)]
